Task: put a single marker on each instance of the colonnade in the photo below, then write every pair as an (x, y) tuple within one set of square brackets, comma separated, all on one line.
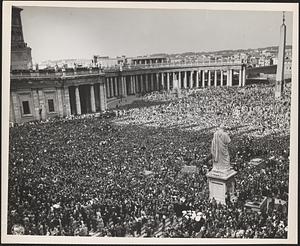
[(93, 97), (80, 96), (124, 85)]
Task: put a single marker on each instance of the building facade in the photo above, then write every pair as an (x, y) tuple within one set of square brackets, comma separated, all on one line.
[(41, 95), (37, 95), (46, 93)]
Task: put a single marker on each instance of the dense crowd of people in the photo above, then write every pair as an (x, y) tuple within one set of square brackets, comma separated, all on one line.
[(246, 109), (121, 175)]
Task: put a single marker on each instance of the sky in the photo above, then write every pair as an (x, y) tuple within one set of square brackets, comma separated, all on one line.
[(66, 33)]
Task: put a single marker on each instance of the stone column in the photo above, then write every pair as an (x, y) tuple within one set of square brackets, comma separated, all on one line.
[(116, 86), (244, 76), (209, 78), (129, 90), (107, 87), (111, 84), (240, 77), (16, 107), (111, 87), (66, 100), (136, 80), (120, 85), (93, 103), (215, 78), (185, 80), (11, 111), (134, 89), (42, 103), (36, 103), (139, 79), (162, 80), (230, 77), (132, 79), (150, 87), (173, 79), (179, 79), (105, 81), (147, 83), (152, 81), (203, 78), (197, 79), (102, 97), (77, 98), (124, 86), (60, 102), (157, 81), (131, 86), (168, 81), (191, 79), (142, 83), (221, 81)]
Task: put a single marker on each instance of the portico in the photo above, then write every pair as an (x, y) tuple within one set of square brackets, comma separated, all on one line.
[(89, 91)]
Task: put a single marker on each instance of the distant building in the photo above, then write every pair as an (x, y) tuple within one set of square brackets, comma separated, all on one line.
[(274, 60), (253, 61), (266, 52), (106, 61), (288, 68), (148, 59), (261, 61), (268, 61), (177, 60), (287, 61), (288, 52)]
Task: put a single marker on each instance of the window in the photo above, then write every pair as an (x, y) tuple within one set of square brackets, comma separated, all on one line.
[(26, 108), (51, 105)]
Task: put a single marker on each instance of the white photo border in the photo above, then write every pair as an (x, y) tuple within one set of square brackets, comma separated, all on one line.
[(293, 177)]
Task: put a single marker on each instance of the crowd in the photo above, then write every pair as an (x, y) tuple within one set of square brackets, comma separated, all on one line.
[(87, 175), (251, 109)]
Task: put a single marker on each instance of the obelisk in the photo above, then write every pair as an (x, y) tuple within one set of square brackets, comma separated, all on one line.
[(280, 64), (20, 54)]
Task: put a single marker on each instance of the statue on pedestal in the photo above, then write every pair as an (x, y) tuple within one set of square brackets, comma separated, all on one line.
[(221, 179), (219, 150)]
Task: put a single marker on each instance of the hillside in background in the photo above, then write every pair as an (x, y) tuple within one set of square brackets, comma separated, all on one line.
[(85, 61)]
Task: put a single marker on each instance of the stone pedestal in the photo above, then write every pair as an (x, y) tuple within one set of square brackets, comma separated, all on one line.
[(220, 182), (257, 206)]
